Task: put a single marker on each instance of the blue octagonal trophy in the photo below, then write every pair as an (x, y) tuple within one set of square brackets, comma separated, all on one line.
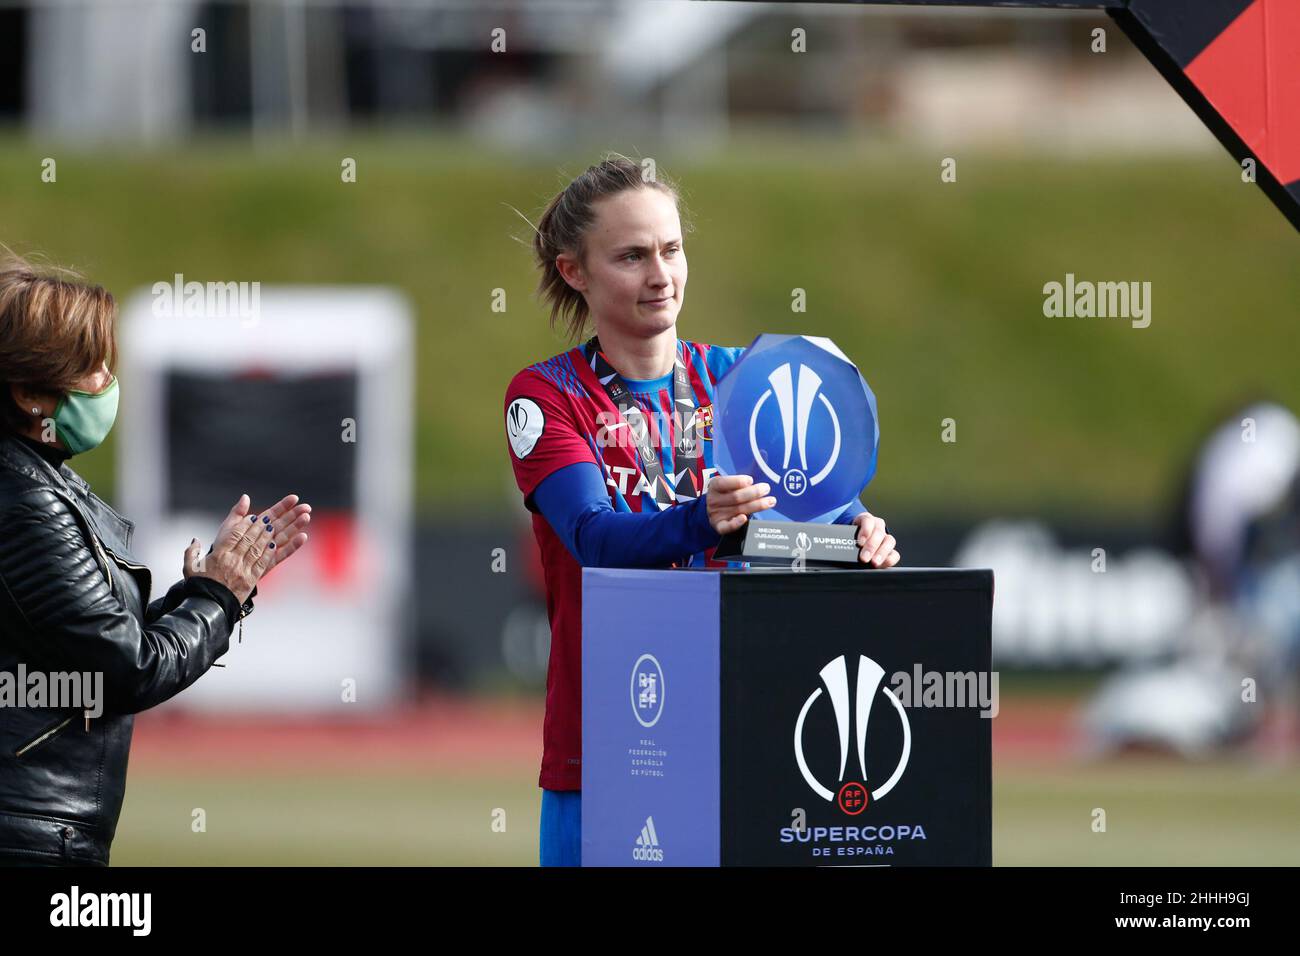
[(796, 413)]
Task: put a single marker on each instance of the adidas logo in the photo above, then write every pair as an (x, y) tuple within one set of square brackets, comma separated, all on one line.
[(647, 844)]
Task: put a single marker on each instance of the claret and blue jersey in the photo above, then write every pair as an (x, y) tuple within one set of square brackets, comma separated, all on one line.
[(606, 435)]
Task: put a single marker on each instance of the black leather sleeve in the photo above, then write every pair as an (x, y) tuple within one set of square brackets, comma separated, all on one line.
[(63, 615), (215, 591), (167, 603), (177, 592)]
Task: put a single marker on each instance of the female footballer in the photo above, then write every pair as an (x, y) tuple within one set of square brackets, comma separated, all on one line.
[(593, 437)]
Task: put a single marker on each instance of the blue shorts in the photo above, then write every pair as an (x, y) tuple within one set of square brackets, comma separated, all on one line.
[(561, 830)]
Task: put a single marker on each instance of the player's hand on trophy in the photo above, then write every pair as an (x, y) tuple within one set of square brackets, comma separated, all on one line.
[(876, 544), (249, 546), (731, 499)]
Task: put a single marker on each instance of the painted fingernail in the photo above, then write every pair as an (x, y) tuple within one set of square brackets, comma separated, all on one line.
[(265, 519), (252, 517), (273, 544)]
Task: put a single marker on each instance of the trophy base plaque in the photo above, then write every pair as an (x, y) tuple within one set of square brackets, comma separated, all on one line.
[(792, 543)]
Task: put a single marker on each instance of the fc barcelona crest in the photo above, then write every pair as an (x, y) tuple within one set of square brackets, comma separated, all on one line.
[(704, 423)]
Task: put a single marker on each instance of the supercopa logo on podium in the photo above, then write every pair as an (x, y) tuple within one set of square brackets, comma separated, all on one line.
[(852, 797)]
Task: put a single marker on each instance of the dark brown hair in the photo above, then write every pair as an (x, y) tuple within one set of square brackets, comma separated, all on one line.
[(54, 330), (564, 223)]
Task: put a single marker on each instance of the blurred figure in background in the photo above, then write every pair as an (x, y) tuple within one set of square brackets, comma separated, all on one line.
[(1239, 528)]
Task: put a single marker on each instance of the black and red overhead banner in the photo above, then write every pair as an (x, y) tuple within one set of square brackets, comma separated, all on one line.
[(1235, 62)]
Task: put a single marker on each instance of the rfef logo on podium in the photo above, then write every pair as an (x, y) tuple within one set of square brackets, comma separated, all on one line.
[(647, 690)]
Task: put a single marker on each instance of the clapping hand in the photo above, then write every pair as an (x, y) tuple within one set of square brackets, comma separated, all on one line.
[(248, 546)]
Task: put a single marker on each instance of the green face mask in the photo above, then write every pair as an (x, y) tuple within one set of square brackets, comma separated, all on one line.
[(83, 420)]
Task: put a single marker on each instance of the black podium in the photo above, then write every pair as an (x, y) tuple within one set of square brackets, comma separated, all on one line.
[(783, 717)]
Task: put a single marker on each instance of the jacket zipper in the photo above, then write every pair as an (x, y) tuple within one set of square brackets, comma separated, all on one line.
[(94, 539), (123, 561), (42, 738), (99, 550)]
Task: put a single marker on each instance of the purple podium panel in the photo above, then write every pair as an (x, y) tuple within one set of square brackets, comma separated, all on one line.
[(650, 722)]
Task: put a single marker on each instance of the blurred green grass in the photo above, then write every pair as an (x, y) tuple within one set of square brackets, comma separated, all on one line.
[(934, 289), (1158, 812), (396, 818)]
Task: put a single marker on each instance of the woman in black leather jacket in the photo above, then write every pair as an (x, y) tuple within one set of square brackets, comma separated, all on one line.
[(74, 602)]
